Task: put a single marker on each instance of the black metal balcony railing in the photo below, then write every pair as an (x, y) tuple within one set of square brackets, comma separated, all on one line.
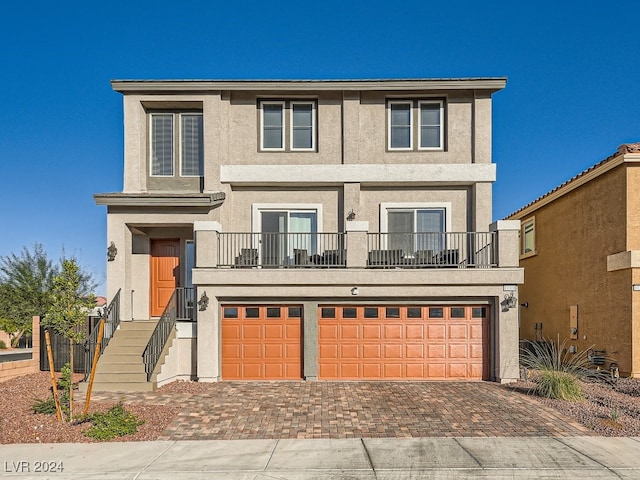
[(433, 249), (282, 250), (181, 307), (111, 316)]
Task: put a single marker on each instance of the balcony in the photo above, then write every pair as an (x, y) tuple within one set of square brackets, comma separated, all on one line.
[(282, 250), (383, 250)]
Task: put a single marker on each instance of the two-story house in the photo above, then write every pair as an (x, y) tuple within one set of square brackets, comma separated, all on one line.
[(580, 247), (313, 230)]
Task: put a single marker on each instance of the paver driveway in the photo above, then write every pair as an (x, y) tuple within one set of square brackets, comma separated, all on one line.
[(249, 410)]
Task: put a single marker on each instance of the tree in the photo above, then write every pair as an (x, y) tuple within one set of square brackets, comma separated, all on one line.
[(25, 287), (69, 308), (26, 281)]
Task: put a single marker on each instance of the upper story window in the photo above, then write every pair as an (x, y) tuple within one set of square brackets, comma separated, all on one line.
[(287, 125), (528, 237), (415, 124), (176, 144), (415, 227)]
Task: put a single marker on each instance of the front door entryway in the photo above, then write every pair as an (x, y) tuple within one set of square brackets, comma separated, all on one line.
[(165, 272)]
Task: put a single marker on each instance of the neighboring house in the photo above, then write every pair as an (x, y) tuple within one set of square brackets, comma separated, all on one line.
[(316, 229), (580, 247)]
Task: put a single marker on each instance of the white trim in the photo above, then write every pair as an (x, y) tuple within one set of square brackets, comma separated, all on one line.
[(282, 104), (173, 147), (180, 117), (431, 102), (292, 103), (385, 207), (399, 102)]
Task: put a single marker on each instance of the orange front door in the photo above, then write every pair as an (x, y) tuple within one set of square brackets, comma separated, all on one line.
[(403, 342), (165, 272), (261, 342)]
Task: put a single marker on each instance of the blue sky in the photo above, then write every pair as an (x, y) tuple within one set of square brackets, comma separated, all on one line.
[(573, 91)]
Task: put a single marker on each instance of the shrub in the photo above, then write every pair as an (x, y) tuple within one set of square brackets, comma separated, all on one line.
[(3, 346), (48, 406), (556, 372), (117, 422)]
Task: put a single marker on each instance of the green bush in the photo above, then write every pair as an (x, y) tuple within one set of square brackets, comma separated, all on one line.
[(556, 372), (117, 422), (3, 346), (47, 406)]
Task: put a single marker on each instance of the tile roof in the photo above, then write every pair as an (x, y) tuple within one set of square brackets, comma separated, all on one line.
[(622, 150)]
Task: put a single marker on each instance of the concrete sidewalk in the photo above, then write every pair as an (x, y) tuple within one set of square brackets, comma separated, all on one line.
[(415, 458)]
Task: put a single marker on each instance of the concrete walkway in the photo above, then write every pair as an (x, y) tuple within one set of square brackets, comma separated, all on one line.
[(373, 458)]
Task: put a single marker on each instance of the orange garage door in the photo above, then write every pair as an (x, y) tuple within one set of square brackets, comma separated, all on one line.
[(403, 342), (261, 342)]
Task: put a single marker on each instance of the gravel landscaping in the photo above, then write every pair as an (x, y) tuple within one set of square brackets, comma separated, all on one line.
[(607, 411)]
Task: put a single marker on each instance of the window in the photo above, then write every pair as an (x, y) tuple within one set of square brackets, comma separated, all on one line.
[(190, 153), (528, 237), (415, 228), (288, 233), (288, 125), (426, 114)]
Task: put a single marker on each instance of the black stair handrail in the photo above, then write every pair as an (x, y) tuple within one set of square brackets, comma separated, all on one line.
[(111, 316), (181, 306)]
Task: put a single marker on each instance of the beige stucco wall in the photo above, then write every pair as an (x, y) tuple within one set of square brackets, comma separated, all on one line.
[(574, 235)]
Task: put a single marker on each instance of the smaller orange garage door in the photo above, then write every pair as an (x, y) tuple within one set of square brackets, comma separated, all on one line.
[(261, 342), (403, 342)]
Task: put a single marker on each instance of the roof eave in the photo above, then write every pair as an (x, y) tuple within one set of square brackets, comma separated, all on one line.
[(492, 84)]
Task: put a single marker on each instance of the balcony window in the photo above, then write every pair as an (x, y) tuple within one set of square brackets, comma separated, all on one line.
[(411, 230)]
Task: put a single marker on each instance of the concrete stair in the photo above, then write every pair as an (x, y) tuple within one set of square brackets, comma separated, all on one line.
[(121, 368)]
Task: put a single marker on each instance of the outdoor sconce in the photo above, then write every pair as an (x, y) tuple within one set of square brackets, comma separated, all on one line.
[(510, 301), (354, 291), (203, 302), (351, 215), (112, 251)]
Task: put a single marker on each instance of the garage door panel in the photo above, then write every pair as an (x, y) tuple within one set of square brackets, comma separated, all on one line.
[(372, 370), (458, 371), (328, 352), (458, 351), (349, 351), (458, 332), (350, 332), (415, 370), (251, 352), (371, 351), (414, 332), (436, 332), (273, 332), (349, 370), (437, 351), (403, 343), (260, 343), (393, 370), (393, 351), (392, 332), (371, 332), (251, 332), (414, 351), (436, 371), (328, 332)]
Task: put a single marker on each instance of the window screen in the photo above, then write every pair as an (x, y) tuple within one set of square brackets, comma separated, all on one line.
[(162, 145), (192, 145)]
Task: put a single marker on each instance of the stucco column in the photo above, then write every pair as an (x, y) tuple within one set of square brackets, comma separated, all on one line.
[(206, 237), (357, 249), (208, 337), (310, 342), (508, 249), (208, 331), (507, 344)]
